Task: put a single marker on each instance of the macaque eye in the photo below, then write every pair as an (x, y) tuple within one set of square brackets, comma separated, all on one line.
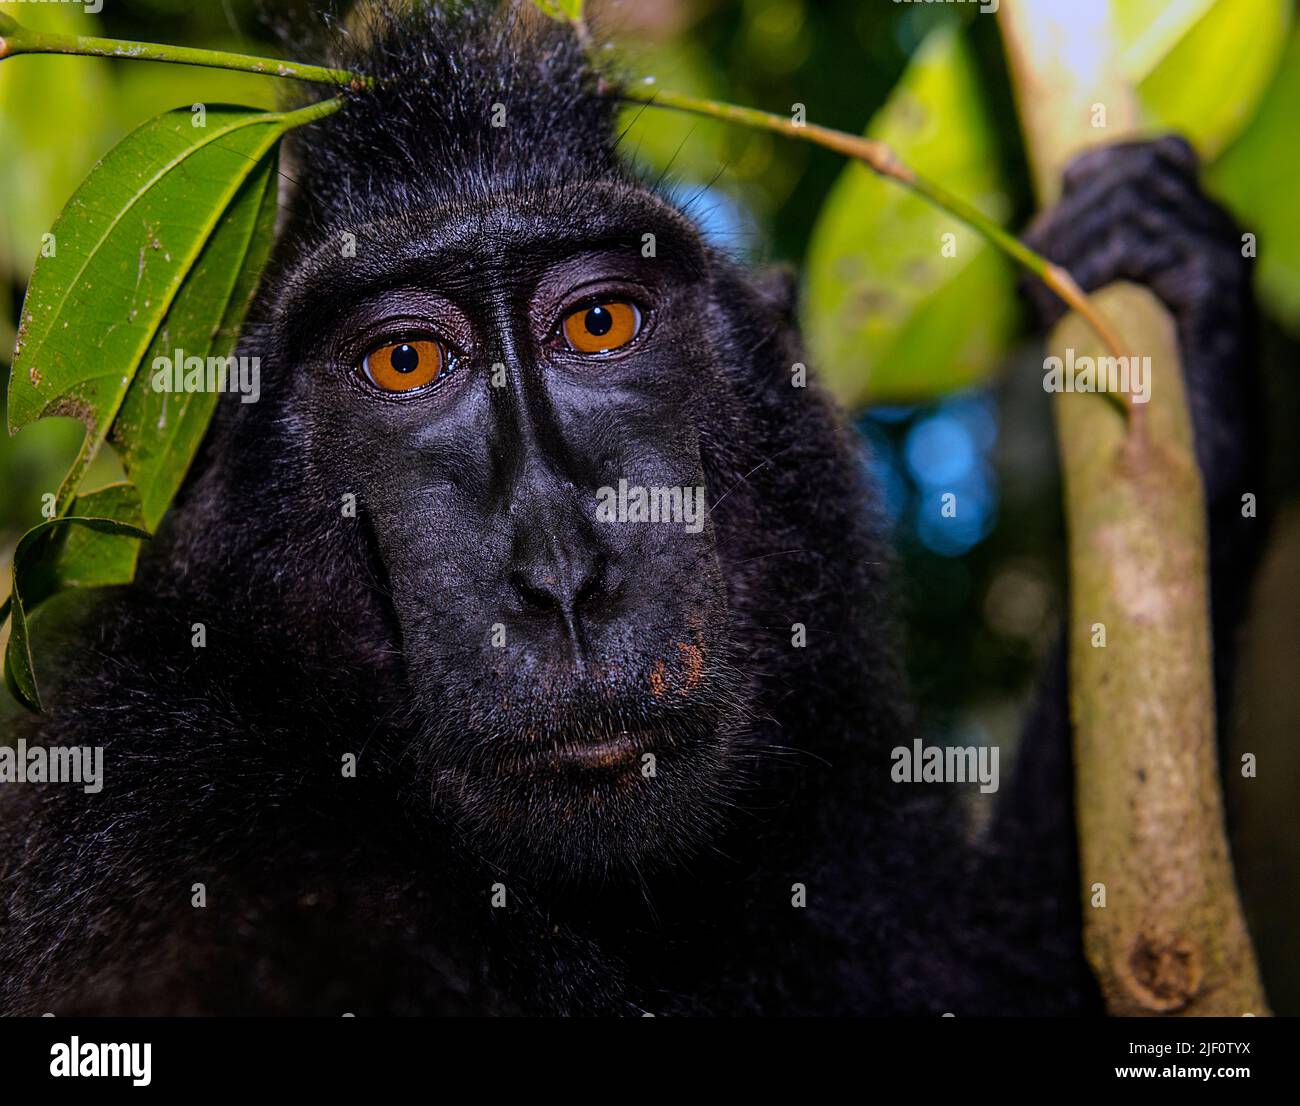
[(601, 326), (405, 366)]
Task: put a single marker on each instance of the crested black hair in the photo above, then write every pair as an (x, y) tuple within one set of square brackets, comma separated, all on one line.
[(465, 100)]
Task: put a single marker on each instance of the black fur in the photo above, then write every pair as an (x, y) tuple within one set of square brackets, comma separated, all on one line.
[(327, 635)]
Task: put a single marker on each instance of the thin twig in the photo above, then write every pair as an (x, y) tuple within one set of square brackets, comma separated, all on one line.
[(16, 39)]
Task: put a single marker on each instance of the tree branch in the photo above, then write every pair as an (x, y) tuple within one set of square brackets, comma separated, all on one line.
[(1163, 928)]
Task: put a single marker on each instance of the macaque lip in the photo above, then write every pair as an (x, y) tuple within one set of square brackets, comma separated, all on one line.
[(616, 753), (613, 752)]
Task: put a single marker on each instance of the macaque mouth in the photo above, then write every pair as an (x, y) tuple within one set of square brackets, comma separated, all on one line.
[(604, 754), (595, 754)]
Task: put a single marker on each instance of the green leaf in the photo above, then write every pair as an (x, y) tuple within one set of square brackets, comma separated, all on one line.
[(891, 315), (79, 557), (157, 433), (20, 676), (1201, 67), (1254, 180), (125, 243), (159, 250), (1146, 30), (570, 11)]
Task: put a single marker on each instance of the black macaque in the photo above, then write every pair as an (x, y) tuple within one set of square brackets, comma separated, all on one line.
[(455, 744)]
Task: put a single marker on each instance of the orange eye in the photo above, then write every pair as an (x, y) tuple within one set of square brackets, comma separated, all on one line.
[(405, 366), (601, 327)]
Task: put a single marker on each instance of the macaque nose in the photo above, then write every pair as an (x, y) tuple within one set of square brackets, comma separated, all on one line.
[(565, 583)]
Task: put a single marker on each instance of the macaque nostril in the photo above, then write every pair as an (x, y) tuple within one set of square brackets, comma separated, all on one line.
[(593, 584), (534, 593), (564, 589)]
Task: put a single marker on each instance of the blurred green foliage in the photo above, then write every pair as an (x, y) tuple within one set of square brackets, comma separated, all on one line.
[(904, 301), (1201, 66), (1257, 177)]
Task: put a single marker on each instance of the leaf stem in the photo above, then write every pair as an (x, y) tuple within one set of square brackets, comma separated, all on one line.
[(16, 39)]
